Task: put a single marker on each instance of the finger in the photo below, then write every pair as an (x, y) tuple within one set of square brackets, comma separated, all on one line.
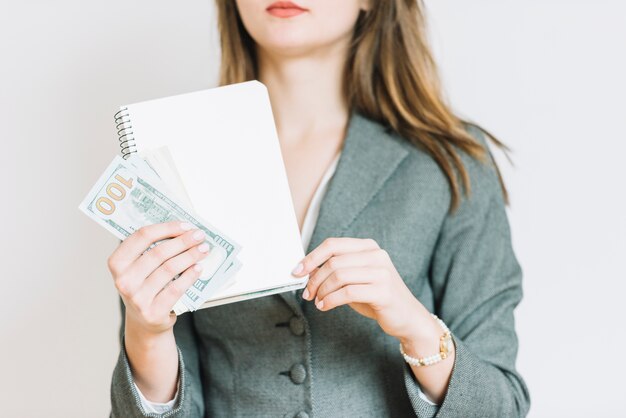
[(134, 245), (132, 279), (167, 298), (332, 247), (158, 279), (344, 277), (367, 258), (354, 293), (157, 255), (315, 270)]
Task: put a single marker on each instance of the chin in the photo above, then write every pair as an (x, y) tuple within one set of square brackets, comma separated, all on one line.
[(287, 42), (325, 23), (298, 41)]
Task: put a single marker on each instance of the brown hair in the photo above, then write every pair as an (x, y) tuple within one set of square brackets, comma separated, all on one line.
[(390, 76)]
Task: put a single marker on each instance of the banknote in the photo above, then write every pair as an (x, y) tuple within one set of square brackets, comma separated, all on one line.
[(127, 197), (160, 160)]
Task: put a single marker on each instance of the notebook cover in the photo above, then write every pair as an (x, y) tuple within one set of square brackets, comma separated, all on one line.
[(226, 149)]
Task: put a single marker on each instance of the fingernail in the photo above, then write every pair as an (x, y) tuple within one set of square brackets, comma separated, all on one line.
[(305, 294), (199, 235), (198, 267), (320, 304), (186, 226), (204, 248), (298, 269)]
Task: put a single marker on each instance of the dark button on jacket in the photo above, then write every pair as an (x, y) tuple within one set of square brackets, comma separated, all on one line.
[(297, 373), (296, 325)]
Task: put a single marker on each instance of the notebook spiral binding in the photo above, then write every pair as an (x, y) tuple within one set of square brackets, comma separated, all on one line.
[(125, 132)]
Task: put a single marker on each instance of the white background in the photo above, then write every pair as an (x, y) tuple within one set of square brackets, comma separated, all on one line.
[(545, 76)]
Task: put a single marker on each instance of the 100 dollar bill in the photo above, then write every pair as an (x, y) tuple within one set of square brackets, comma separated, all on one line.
[(123, 200)]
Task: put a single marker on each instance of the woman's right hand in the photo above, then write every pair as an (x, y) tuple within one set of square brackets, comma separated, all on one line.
[(144, 279)]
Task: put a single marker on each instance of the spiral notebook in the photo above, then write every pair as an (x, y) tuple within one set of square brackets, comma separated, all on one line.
[(224, 145)]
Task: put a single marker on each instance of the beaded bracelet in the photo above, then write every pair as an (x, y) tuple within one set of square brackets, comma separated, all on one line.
[(445, 348)]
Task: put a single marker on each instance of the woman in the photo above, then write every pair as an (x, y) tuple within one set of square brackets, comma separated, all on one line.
[(411, 224)]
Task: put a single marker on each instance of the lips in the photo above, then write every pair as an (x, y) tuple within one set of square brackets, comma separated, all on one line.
[(285, 9)]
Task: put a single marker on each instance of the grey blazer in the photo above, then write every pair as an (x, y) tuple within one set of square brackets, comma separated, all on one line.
[(278, 356)]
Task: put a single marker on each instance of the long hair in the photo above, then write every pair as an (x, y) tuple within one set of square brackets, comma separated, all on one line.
[(390, 76)]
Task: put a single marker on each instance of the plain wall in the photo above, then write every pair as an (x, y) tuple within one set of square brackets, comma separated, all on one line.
[(545, 76)]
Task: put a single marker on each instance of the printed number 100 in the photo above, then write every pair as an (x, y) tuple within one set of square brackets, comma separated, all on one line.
[(115, 191)]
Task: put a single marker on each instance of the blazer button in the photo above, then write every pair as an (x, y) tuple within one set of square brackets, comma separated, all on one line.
[(301, 414), (297, 373), (296, 325)]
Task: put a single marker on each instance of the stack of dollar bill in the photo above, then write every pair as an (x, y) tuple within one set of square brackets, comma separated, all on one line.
[(143, 190)]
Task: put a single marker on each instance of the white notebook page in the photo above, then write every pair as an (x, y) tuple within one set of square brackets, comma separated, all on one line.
[(225, 147)]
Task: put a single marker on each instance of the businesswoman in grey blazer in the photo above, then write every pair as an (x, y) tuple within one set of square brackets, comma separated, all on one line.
[(413, 281)]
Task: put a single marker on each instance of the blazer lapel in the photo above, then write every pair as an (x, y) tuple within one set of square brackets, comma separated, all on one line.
[(369, 156)]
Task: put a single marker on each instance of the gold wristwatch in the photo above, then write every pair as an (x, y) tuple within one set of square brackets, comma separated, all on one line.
[(445, 348)]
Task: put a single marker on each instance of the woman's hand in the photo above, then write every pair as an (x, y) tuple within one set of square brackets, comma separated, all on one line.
[(359, 273), (145, 282), (144, 279)]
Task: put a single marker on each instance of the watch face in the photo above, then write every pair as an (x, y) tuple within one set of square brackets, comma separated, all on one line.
[(447, 345)]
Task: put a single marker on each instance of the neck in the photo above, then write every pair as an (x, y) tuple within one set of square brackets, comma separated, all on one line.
[(305, 92)]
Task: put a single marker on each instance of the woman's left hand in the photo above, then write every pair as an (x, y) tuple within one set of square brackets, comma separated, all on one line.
[(359, 273)]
